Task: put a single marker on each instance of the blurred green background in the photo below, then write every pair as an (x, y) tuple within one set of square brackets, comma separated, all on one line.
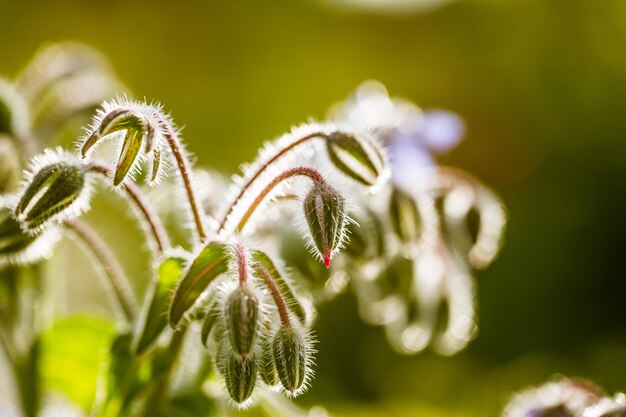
[(542, 87)]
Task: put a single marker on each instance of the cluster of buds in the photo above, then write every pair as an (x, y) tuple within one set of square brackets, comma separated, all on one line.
[(566, 398)]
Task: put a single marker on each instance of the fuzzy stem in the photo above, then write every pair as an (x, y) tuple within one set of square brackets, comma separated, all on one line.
[(262, 169), (305, 171), (242, 263), (151, 219), (113, 271), (184, 167), (281, 305)]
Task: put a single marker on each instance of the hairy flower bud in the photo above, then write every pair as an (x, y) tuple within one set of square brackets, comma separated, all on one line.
[(267, 367), (56, 192), (239, 376), (325, 213), (357, 157), (291, 352), (241, 312), (140, 125)]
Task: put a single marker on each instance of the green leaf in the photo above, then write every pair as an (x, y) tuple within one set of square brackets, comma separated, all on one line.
[(155, 316), (264, 268), (72, 351), (125, 378), (210, 263)]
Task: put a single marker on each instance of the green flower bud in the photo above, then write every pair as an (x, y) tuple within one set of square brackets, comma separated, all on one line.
[(241, 311), (356, 156), (291, 352), (405, 217), (17, 246), (56, 192), (267, 367), (239, 375), (140, 125), (325, 213)]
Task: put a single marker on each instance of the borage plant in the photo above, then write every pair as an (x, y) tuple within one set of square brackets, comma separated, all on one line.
[(229, 312)]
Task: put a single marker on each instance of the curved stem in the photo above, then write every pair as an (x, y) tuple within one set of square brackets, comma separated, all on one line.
[(153, 222), (281, 305), (262, 169), (242, 263), (112, 269), (308, 172), (184, 167)]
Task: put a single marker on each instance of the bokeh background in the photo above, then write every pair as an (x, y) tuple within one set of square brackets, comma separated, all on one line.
[(541, 85)]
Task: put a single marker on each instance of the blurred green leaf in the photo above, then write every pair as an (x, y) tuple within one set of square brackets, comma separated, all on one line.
[(72, 351), (155, 316)]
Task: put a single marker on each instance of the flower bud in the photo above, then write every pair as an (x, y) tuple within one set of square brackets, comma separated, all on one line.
[(357, 157), (405, 217), (56, 192), (267, 367), (291, 358), (325, 213), (239, 375), (241, 311), (139, 123)]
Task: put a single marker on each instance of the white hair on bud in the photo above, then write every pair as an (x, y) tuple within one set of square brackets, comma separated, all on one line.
[(154, 118), (49, 157)]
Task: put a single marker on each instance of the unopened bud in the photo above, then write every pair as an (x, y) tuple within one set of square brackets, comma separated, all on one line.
[(325, 212), (291, 358), (267, 366), (358, 157), (56, 192), (239, 376), (405, 217), (139, 123), (241, 311)]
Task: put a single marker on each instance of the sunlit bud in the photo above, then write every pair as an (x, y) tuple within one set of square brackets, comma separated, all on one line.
[(56, 192), (140, 125), (325, 212), (291, 358), (404, 216), (267, 367), (241, 311), (239, 376), (357, 156)]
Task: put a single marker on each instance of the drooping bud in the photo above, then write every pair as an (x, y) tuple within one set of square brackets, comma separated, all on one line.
[(19, 247), (239, 376), (139, 124), (241, 312), (405, 217), (56, 192), (357, 156), (267, 367), (325, 213), (291, 352)]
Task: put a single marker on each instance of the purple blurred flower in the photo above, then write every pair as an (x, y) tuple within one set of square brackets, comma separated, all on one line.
[(411, 153)]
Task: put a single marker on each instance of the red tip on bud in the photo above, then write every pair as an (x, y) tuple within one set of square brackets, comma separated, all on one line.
[(327, 259)]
